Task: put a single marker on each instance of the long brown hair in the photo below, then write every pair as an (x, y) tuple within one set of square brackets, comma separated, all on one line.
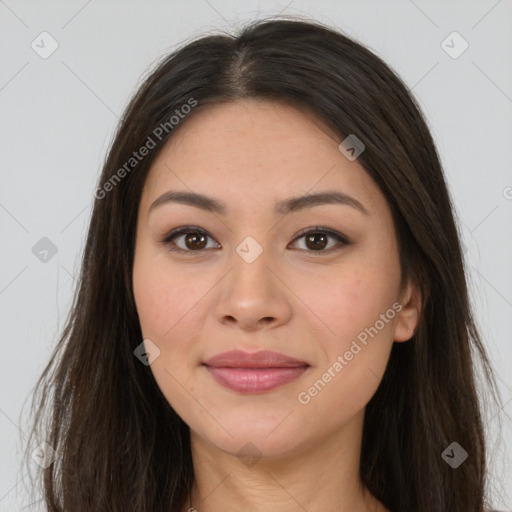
[(120, 445)]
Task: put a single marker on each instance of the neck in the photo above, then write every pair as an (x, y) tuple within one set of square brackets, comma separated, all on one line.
[(323, 476)]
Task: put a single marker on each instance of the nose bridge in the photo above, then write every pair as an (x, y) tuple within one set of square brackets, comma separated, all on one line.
[(254, 237), (252, 294), (250, 249), (251, 265)]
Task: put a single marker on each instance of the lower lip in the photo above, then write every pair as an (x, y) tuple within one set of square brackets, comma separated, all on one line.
[(255, 380)]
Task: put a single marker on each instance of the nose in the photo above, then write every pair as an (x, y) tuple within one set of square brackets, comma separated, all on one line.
[(253, 295)]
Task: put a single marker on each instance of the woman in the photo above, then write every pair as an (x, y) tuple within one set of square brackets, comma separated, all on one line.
[(272, 310)]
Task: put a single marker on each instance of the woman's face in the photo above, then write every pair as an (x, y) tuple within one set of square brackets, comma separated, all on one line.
[(249, 279)]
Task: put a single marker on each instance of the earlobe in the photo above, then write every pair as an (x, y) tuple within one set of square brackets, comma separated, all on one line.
[(408, 317)]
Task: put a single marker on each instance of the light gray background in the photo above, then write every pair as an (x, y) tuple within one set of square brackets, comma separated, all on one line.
[(58, 116)]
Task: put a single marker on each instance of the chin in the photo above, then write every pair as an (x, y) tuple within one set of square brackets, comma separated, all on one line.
[(250, 435), (251, 447)]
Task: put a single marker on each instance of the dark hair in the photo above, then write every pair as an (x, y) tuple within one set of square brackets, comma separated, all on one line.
[(120, 444)]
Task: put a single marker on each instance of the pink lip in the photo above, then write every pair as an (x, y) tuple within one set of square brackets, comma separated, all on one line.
[(254, 373)]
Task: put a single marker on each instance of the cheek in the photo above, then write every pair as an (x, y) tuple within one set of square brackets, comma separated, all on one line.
[(357, 307), (165, 296), (350, 300), (166, 302)]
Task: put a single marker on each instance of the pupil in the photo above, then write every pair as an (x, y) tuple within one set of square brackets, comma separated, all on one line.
[(193, 237), (314, 239)]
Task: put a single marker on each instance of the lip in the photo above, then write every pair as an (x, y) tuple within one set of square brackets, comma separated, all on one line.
[(256, 372), (262, 359)]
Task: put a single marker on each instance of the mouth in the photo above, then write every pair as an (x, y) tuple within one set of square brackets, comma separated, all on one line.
[(258, 372)]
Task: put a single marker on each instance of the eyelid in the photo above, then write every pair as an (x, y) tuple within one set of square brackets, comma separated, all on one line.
[(169, 237), (319, 229)]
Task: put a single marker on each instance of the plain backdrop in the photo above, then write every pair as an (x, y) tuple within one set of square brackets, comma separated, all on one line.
[(59, 111)]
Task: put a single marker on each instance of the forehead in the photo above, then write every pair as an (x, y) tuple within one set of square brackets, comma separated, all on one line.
[(252, 152), (244, 127)]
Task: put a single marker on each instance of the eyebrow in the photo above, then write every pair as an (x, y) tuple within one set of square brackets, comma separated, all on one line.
[(292, 204)]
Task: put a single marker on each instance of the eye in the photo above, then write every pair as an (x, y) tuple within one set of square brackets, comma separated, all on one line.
[(316, 239), (195, 239)]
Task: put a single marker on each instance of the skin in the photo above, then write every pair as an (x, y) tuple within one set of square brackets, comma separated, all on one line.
[(306, 304)]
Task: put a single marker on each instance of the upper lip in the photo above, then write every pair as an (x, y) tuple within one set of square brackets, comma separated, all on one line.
[(262, 359)]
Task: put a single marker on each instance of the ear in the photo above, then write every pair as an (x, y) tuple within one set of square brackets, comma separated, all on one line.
[(408, 317)]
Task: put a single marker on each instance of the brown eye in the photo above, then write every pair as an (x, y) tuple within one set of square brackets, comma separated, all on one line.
[(317, 239), (195, 241), (192, 239)]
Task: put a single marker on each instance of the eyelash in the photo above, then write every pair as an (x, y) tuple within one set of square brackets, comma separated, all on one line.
[(193, 229)]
